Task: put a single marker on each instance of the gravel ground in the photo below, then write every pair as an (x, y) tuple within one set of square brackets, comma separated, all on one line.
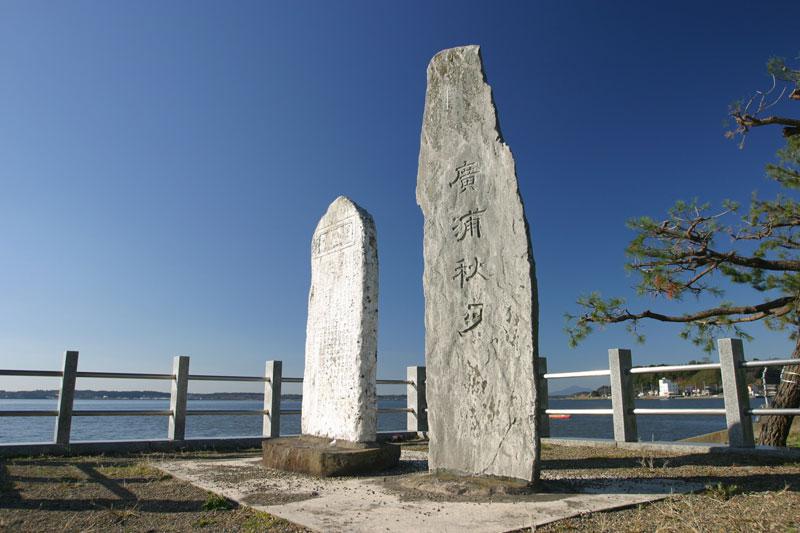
[(124, 493)]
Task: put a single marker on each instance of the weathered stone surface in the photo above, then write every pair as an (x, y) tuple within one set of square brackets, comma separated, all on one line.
[(481, 307), (339, 399), (315, 456)]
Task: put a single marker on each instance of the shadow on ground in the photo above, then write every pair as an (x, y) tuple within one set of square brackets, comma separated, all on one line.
[(81, 486)]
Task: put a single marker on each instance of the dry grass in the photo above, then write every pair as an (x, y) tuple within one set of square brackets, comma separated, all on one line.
[(749, 512), (113, 494), (125, 493), (743, 494)]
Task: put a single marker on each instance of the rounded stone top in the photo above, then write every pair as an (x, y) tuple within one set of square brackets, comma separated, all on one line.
[(342, 201), (341, 208), (461, 56), (345, 206)]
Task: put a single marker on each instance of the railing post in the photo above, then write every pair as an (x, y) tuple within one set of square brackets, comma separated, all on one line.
[(542, 394), (272, 399), (177, 397), (417, 419), (622, 399), (734, 391), (66, 397)]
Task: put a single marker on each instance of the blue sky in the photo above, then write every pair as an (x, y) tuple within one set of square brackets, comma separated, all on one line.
[(163, 165)]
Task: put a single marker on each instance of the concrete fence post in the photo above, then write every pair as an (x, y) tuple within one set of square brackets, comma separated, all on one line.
[(272, 399), (66, 397), (622, 398), (417, 419), (177, 397), (542, 394), (734, 391)]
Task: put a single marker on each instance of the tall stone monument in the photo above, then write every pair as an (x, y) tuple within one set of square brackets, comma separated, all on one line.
[(481, 306), (339, 410), (339, 400)]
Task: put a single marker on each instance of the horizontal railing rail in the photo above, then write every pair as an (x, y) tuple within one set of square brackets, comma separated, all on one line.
[(769, 411), (204, 377), (667, 411), (227, 412), (120, 412), (579, 374), (660, 369), (32, 373), (123, 375), (579, 411), (32, 412), (770, 362)]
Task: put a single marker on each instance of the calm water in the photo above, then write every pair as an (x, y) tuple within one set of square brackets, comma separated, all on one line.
[(40, 429), (650, 427)]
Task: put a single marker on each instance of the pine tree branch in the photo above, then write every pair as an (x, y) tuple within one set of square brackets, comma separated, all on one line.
[(698, 258), (703, 255), (774, 308), (747, 121)]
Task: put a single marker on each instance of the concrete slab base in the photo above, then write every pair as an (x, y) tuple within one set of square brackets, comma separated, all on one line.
[(389, 502), (323, 458)]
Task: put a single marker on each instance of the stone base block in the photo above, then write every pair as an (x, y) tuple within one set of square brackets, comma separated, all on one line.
[(320, 457), (450, 486)]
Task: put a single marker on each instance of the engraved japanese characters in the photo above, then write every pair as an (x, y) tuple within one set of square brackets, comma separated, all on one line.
[(339, 399), (481, 309)]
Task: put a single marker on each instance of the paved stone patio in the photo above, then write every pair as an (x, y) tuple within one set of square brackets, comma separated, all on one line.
[(378, 503)]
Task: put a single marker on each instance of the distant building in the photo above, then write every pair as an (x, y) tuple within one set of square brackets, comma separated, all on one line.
[(755, 390), (667, 388)]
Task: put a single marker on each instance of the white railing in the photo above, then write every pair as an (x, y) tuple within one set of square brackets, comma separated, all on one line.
[(177, 413), (732, 366)]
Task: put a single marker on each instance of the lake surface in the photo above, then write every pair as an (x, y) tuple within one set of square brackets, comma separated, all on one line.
[(40, 429)]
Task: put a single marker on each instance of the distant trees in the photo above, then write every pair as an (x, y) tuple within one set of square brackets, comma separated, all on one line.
[(694, 247), (694, 379)]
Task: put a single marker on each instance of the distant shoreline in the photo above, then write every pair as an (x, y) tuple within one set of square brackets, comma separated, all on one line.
[(587, 397), (246, 396), (155, 395)]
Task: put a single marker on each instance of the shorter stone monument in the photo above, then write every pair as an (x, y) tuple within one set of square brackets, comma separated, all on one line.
[(339, 414)]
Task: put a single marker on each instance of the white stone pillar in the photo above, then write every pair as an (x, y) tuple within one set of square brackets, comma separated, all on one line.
[(417, 420), (622, 395), (272, 399), (734, 390), (544, 418), (66, 397), (177, 398)]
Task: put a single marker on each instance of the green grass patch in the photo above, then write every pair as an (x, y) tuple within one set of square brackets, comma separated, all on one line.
[(261, 521), (215, 502), (204, 522), (132, 471), (722, 492)]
